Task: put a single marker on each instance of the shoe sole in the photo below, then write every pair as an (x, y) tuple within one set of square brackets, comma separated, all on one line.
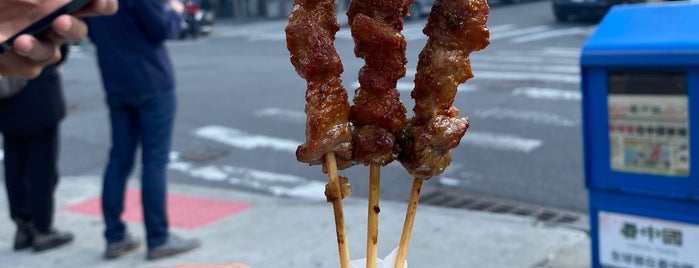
[(51, 245), (18, 247), (168, 253), (121, 252)]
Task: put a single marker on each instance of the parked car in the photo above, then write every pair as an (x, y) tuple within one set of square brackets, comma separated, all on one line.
[(592, 10)]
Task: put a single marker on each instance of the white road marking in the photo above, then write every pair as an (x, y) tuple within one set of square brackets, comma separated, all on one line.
[(269, 182), (527, 116), (518, 32), (518, 76), (2, 155), (446, 181), (408, 87), (239, 139), (283, 114), (274, 32), (563, 51), (503, 27), (548, 93), (414, 31), (344, 33), (403, 86), (514, 57), (467, 178), (550, 34), (568, 69), (501, 141), (210, 173), (242, 140)]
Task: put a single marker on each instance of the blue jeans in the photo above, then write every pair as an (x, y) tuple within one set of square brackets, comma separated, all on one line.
[(145, 119)]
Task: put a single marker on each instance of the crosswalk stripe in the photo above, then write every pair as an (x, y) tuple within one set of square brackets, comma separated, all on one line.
[(274, 32), (240, 139), (518, 32), (519, 76), (414, 31), (408, 86), (570, 69), (518, 58), (236, 138), (502, 27), (562, 52), (503, 142), (548, 93), (549, 34), (344, 33), (536, 117), (447, 181), (273, 183)]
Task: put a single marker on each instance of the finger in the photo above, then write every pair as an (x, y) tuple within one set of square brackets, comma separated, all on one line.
[(99, 8), (70, 28), (18, 66), (42, 52)]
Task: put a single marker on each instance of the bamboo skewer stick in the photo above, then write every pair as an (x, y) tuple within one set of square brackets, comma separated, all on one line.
[(372, 235), (336, 190), (408, 224)]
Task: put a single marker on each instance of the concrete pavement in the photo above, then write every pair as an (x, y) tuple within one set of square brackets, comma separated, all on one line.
[(272, 232)]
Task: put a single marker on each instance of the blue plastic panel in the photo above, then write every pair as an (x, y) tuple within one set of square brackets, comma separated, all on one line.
[(657, 34), (666, 227)]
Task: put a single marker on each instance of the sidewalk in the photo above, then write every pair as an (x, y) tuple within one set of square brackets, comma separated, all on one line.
[(272, 232)]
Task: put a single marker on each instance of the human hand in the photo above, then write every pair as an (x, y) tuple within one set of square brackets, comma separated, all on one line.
[(31, 54)]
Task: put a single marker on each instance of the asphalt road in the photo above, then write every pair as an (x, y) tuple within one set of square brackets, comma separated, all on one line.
[(240, 114)]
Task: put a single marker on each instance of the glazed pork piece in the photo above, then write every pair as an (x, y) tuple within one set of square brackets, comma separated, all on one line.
[(378, 114), (455, 28), (310, 35)]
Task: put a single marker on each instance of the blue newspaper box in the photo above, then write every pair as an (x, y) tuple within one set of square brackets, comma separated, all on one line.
[(640, 86)]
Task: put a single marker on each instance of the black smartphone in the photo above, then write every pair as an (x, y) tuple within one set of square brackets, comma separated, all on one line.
[(45, 22)]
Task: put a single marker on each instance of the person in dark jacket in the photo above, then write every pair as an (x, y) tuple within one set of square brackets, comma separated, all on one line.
[(139, 81), (29, 122)]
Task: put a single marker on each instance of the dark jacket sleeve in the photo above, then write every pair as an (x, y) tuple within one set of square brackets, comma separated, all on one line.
[(157, 19)]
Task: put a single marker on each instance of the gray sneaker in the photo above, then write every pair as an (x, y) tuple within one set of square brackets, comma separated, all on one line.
[(23, 236), (51, 239), (173, 245), (120, 248)]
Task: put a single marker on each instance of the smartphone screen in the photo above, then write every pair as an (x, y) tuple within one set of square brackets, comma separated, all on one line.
[(45, 22)]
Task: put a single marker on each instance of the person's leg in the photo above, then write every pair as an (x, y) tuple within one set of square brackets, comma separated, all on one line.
[(125, 133), (42, 174), (156, 114), (17, 187), (17, 190)]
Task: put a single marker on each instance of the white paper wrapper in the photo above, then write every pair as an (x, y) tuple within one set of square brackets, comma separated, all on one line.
[(387, 261)]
